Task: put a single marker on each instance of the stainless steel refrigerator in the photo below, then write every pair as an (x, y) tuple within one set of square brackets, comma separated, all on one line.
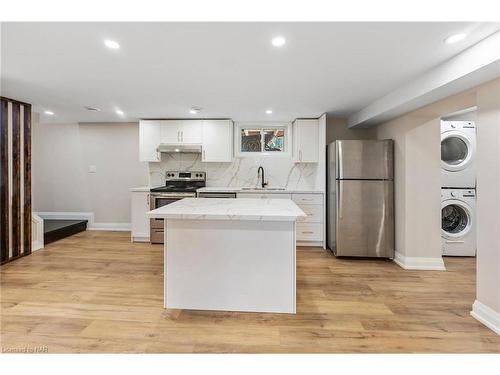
[(360, 200)]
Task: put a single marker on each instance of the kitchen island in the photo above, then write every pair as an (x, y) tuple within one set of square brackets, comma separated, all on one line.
[(230, 254)]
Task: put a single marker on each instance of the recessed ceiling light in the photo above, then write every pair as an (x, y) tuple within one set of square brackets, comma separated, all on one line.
[(119, 112), (278, 41), (50, 113), (94, 109), (269, 111), (111, 44), (194, 110), (455, 38)]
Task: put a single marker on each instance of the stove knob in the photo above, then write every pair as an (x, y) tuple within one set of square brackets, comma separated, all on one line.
[(452, 194)]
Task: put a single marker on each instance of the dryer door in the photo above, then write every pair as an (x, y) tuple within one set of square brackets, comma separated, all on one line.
[(456, 219), (456, 151)]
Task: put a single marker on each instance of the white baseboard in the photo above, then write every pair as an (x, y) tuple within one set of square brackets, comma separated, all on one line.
[(489, 317), (310, 243), (140, 239), (417, 263), (122, 227), (89, 216), (37, 245), (37, 232)]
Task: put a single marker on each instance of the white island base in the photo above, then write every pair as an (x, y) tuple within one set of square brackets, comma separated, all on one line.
[(230, 265)]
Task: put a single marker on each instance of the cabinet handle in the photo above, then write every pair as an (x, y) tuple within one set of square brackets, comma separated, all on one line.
[(300, 155), (147, 199), (204, 155), (182, 136), (307, 232)]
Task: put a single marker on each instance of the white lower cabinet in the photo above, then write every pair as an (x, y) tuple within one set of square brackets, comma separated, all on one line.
[(264, 195), (311, 228), (139, 221), (314, 213), (309, 231)]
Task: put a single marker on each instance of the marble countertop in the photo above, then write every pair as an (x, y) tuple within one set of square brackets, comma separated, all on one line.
[(142, 188), (218, 189), (230, 209)]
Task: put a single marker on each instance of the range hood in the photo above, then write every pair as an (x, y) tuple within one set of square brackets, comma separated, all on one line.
[(194, 148)]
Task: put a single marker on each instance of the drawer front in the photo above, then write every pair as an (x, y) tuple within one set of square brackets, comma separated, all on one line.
[(307, 198), (309, 232), (314, 213), (265, 196)]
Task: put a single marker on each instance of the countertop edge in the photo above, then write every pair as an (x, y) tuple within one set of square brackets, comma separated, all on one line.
[(257, 191), (229, 210), (223, 217)]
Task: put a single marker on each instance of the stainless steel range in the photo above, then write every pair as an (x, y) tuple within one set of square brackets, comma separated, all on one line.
[(178, 185)]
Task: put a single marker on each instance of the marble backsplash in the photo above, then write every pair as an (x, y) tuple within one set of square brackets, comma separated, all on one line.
[(280, 171)]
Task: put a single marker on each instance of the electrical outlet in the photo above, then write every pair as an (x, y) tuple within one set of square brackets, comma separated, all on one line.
[(92, 169)]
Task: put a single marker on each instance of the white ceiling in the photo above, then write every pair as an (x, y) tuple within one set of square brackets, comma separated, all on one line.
[(228, 69)]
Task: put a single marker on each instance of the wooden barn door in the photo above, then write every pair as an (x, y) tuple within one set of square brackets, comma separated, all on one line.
[(15, 179)]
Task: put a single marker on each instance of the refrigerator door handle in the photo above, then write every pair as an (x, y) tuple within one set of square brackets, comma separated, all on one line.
[(339, 199), (339, 170)]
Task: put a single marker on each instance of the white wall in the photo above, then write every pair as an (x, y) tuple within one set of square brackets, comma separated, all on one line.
[(418, 180), (487, 305), (61, 155), (336, 128)]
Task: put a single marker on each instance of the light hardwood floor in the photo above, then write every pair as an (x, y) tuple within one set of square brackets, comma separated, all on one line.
[(97, 292)]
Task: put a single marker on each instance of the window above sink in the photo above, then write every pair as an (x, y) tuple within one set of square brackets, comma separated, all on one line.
[(263, 139)]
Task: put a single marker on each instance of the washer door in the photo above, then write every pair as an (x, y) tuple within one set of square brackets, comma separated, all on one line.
[(456, 151), (456, 219)]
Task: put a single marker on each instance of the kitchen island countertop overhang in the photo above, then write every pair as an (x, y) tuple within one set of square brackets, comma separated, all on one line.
[(230, 254), (230, 209)]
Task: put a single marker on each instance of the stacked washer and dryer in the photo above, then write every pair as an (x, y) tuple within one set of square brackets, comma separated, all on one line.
[(458, 191)]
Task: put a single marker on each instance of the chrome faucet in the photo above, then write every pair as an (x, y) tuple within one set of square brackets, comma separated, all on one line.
[(263, 184)]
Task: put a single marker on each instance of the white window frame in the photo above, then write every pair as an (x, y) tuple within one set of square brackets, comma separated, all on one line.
[(286, 126)]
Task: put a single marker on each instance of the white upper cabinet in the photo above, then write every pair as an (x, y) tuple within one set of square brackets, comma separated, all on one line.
[(191, 131), (149, 138), (170, 132), (181, 131), (217, 141), (306, 141)]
